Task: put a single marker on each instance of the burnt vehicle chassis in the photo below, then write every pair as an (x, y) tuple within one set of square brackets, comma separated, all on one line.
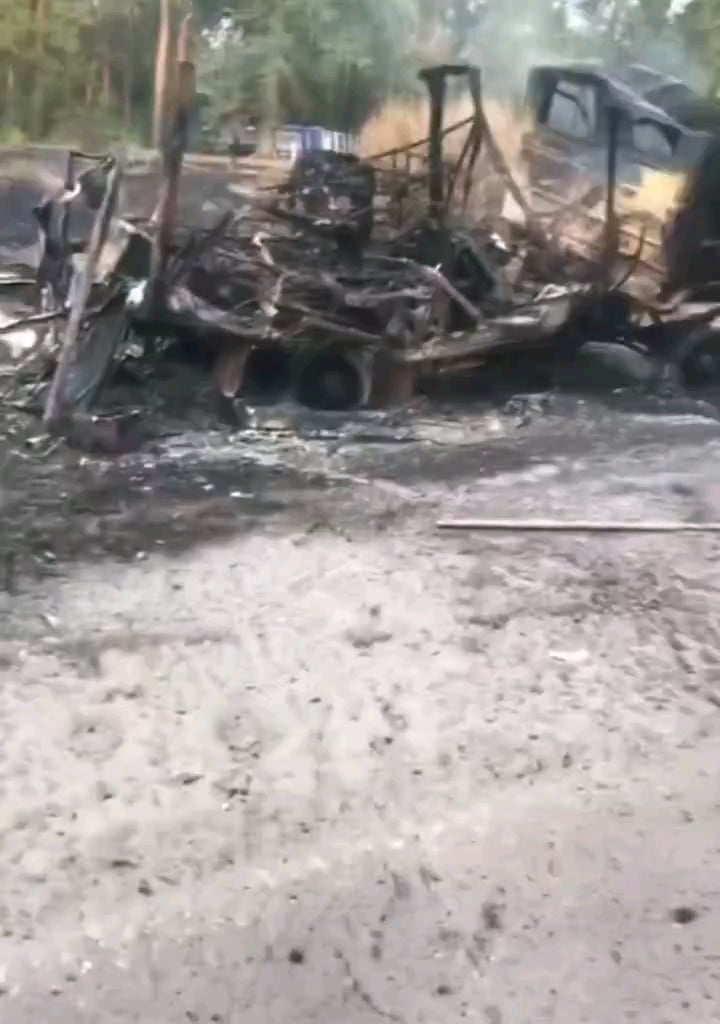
[(310, 285)]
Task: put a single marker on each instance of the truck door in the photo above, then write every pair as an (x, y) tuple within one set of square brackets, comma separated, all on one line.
[(650, 144), (566, 143), (647, 145)]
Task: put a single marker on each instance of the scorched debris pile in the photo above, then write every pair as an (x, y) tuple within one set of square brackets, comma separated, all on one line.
[(348, 285)]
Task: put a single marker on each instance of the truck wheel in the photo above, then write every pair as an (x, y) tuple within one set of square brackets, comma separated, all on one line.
[(699, 358)]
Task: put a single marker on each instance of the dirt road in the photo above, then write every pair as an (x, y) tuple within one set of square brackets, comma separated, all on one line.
[(274, 750)]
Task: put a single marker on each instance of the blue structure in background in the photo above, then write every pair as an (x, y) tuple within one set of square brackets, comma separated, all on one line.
[(293, 139), (232, 133)]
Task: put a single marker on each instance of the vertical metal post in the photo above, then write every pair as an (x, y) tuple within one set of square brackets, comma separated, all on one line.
[(611, 225), (173, 149), (55, 405), (434, 79), (477, 130)]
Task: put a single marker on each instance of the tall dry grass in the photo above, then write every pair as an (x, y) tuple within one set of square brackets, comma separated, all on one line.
[(657, 194), (400, 123)]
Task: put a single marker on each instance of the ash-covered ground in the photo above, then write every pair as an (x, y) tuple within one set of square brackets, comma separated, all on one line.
[(275, 750)]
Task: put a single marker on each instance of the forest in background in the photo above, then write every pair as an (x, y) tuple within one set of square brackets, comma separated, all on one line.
[(82, 70)]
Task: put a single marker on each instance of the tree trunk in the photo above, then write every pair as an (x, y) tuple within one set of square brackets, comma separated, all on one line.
[(106, 79), (38, 100), (164, 62), (127, 112), (269, 119), (90, 86), (711, 25), (128, 72), (184, 45), (10, 97), (266, 138)]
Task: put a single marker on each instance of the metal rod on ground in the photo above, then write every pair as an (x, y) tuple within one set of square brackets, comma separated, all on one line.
[(54, 414), (574, 526)]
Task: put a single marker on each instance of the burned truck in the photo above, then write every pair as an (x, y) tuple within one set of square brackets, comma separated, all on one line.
[(662, 126), (361, 310)]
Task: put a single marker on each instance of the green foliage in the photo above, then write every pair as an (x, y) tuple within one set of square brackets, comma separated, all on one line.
[(75, 61), (12, 137), (326, 61), (94, 131)]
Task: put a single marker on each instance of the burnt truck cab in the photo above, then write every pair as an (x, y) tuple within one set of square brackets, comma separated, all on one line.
[(664, 125)]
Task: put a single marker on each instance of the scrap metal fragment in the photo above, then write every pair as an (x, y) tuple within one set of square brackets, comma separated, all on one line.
[(575, 526), (55, 408)]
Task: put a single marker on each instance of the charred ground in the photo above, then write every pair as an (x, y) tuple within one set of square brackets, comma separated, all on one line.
[(272, 749)]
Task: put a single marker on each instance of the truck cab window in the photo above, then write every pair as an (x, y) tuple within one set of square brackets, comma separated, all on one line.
[(573, 110), (652, 140)]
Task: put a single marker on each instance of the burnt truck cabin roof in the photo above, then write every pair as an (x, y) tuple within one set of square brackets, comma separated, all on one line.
[(676, 98), (641, 92)]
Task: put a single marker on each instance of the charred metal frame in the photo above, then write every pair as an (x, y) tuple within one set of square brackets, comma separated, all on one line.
[(391, 312)]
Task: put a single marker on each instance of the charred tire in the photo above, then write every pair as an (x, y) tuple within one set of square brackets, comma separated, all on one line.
[(334, 379), (697, 357)]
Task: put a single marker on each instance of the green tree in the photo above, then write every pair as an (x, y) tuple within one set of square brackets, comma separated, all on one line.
[(699, 27), (76, 69), (327, 61), (69, 66), (15, 23)]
